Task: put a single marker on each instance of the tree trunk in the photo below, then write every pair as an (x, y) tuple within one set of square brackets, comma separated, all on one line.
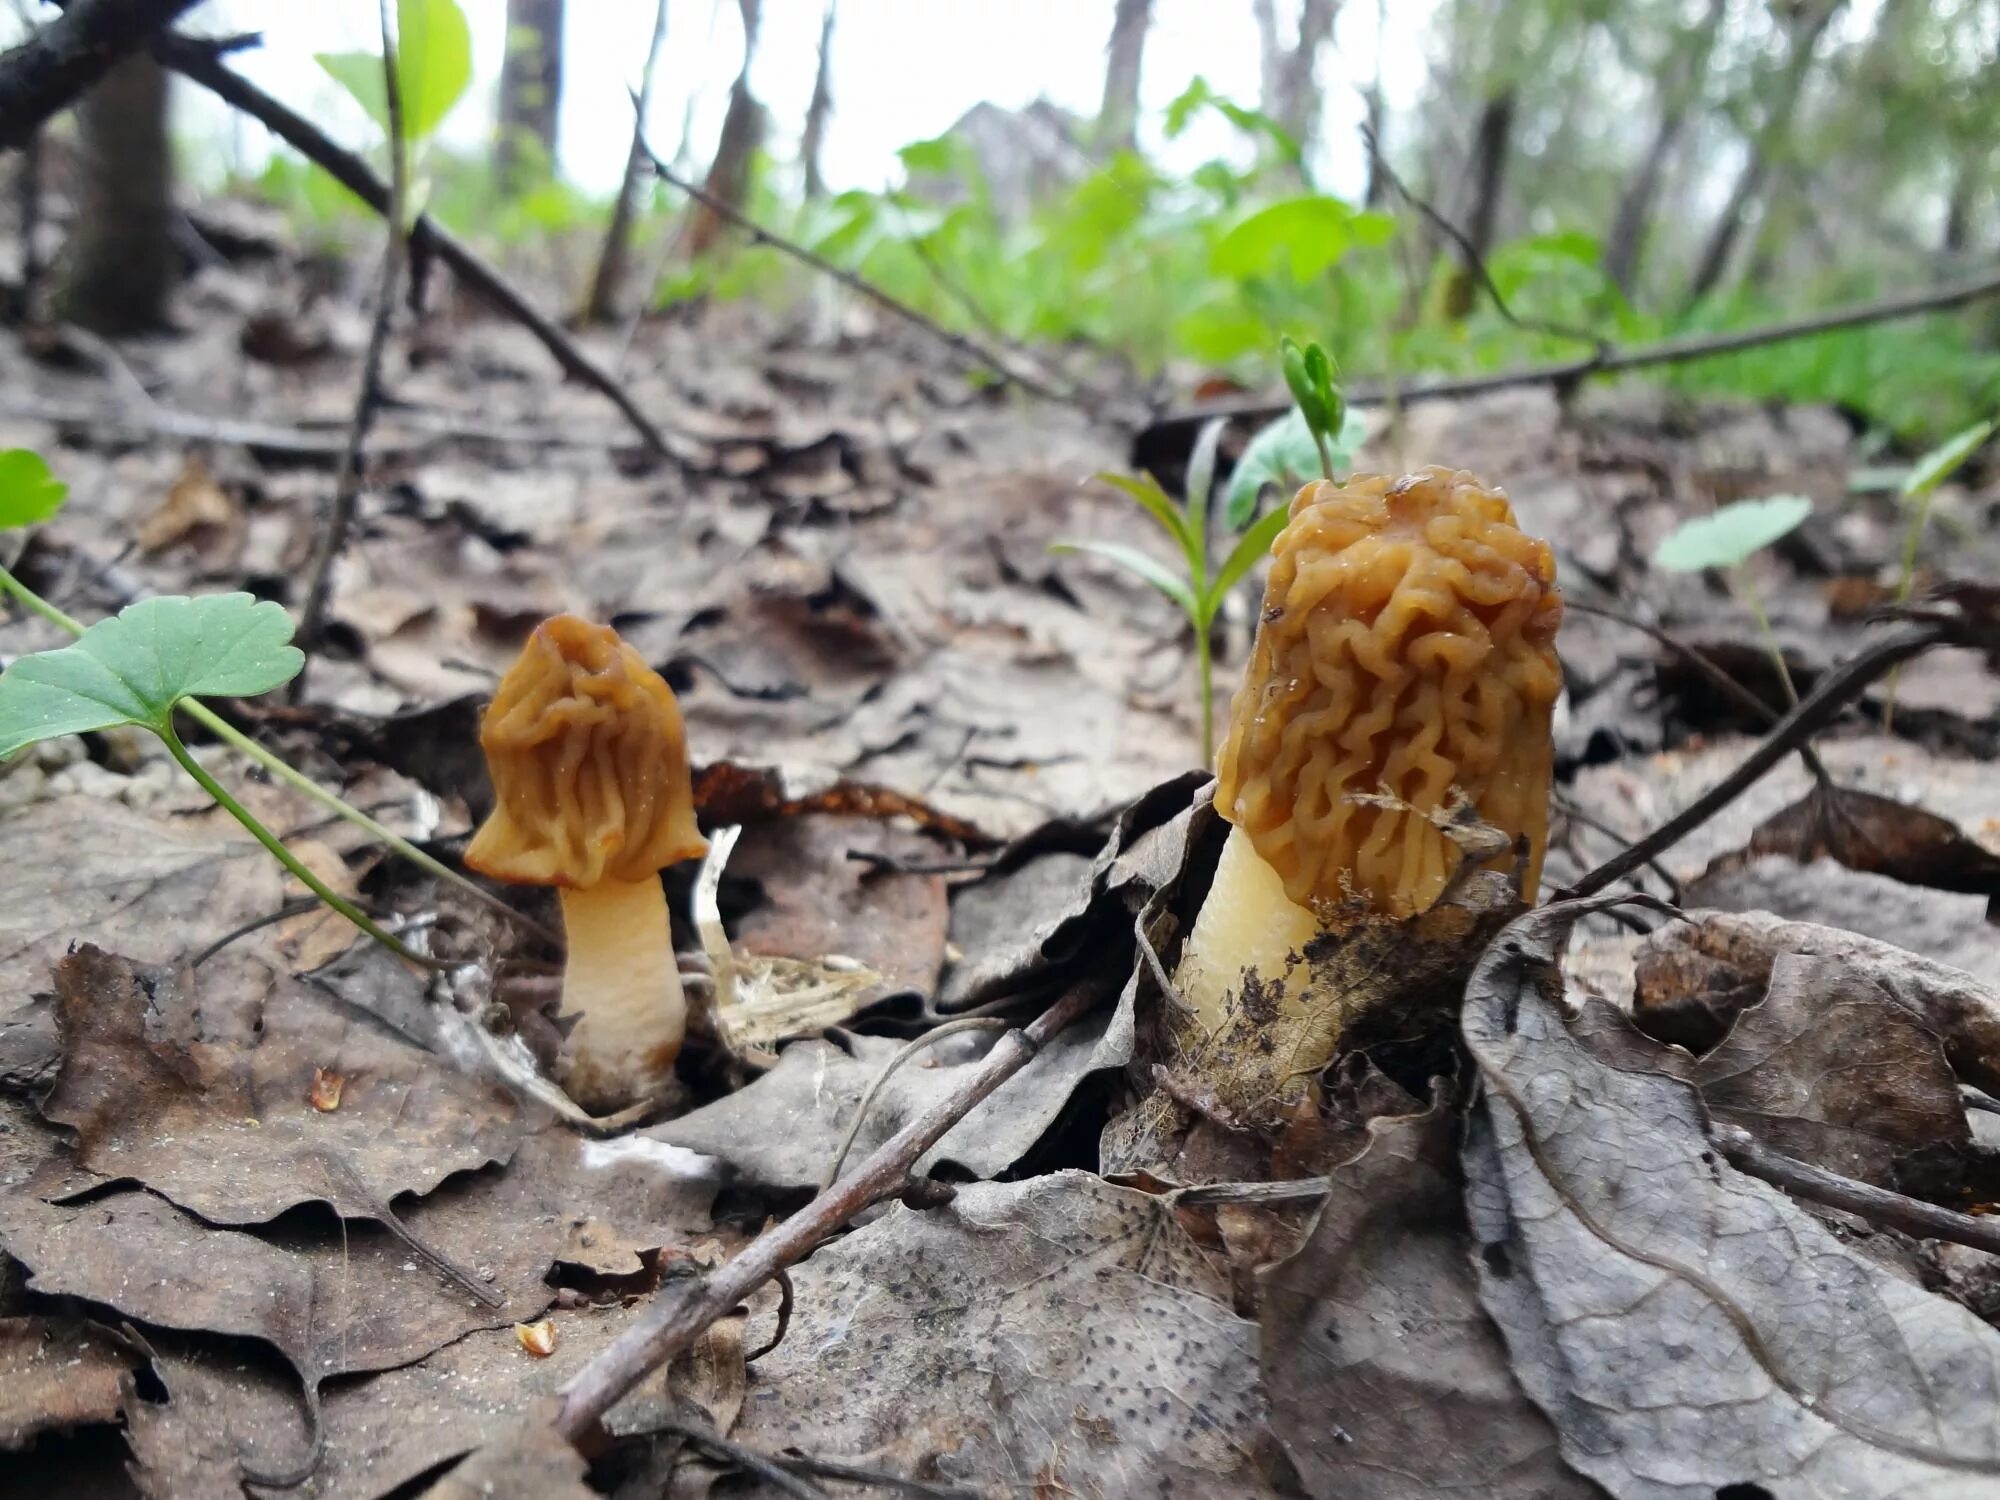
[(1808, 25), (1625, 246), (530, 93), (812, 142), (742, 124), (1118, 116), (1378, 118), (1965, 183), (607, 285), (1288, 94), (1492, 143), (121, 256)]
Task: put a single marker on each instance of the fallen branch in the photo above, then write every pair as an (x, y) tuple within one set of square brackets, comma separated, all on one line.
[(347, 481), (1612, 360), (1816, 1184), (679, 1317), (48, 71), (201, 63), (1834, 692), (967, 348)]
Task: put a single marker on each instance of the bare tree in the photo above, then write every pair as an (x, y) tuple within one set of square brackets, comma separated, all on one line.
[(812, 141), (1118, 116), (121, 256), (742, 124), (530, 92), (607, 285), (1486, 173), (1378, 114), (1288, 93), (1806, 23), (1680, 92)]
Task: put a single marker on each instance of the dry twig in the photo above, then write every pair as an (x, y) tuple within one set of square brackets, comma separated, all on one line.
[(347, 483), (678, 1317)]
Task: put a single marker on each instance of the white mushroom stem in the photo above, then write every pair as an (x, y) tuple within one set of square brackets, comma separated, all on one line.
[(623, 985), (1247, 923)]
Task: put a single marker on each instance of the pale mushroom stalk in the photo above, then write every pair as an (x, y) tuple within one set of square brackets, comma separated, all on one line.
[(1405, 656), (622, 982)]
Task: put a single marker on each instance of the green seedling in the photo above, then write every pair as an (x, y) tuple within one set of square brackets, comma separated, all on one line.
[(1322, 411), (433, 71), (1919, 489), (1727, 539), (151, 661)]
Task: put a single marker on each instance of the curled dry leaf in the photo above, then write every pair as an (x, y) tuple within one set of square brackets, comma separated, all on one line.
[(1690, 1331), (325, 1093), (1059, 1328), (57, 1374), (538, 1338)]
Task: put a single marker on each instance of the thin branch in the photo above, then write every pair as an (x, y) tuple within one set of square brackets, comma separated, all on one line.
[(1818, 708), (1474, 261), (678, 1318), (1816, 1184), (55, 66), (201, 62), (347, 483), (967, 348), (1610, 361), (831, 1468), (765, 1467)]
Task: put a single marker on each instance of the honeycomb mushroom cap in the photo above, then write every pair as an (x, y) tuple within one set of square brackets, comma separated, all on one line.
[(589, 762), (1406, 649)]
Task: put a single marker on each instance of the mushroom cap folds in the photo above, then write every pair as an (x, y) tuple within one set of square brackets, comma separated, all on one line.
[(589, 761), (1406, 648)]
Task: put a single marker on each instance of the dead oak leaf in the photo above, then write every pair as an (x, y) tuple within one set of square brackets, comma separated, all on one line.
[(57, 1374), (203, 1091)]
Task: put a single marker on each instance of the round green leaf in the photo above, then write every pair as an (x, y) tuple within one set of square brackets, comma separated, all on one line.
[(28, 491), (1284, 454), (1731, 534), (134, 667)]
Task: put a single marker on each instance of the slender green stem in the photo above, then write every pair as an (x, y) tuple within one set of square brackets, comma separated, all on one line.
[(36, 604), (1204, 667), (1756, 602), (229, 734), (1912, 540), (1325, 453), (284, 856)]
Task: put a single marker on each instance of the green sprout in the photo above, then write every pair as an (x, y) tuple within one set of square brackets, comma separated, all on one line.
[(1919, 489), (1322, 417), (433, 71), (1728, 538), (154, 659)]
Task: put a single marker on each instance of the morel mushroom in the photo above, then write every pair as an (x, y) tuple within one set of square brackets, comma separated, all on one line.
[(1406, 654), (589, 761)]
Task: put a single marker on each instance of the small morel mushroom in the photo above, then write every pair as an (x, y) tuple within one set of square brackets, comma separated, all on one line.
[(1405, 655), (589, 762)]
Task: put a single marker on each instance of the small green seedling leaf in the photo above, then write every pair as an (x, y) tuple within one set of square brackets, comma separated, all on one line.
[(1252, 545), (28, 491), (1936, 466), (1299, 381), (1148, 568), (1284, 454), (1732, 534), (134, 667), (1156, 502), (1201, 482), (433, 68)]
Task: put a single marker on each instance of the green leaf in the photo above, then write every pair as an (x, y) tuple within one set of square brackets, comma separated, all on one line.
[(1147, 567), (133, 668), (1200, 482), (1284, 454), (1253, 544), (433, 68), (1731, 534), (1307, 234), (1158, 504), (1932, 470), (28, 491)]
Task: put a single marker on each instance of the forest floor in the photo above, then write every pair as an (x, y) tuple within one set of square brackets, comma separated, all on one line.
[(962, 766)]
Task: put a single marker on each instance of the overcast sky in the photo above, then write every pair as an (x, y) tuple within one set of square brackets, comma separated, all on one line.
[(902, 70)]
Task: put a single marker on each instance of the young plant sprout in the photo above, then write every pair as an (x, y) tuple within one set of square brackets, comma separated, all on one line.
[(589, 761), (1726, 539), (1919, 489), (1405, 658), (1321, 418)]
